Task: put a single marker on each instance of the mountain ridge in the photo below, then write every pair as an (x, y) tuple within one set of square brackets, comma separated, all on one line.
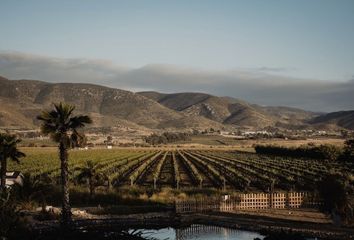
[(227, 110), (344, 119), (22, 100), (89, 98)]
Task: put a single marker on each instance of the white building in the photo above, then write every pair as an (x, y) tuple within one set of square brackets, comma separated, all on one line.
[(12, 178)]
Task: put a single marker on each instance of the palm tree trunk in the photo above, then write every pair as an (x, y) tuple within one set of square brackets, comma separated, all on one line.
[(92, 188), (66, 210), (3, 172)]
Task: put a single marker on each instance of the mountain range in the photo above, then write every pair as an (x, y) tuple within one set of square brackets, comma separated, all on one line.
[(22, 100)]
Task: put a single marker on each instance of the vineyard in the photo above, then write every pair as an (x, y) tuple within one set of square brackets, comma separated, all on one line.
[(229, 170)]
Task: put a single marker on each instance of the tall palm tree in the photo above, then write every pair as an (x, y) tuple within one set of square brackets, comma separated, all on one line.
[(8, 150), (62, 127), (89, 173)]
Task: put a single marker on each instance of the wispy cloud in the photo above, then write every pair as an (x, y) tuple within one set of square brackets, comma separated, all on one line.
[(275, 69), (257, 85)]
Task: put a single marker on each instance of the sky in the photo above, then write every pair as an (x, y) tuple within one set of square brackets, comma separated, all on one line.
[(274, 52)]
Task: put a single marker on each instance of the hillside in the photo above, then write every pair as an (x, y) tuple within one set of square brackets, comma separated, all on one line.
[(22, 100), (344, 119), (231, 111)]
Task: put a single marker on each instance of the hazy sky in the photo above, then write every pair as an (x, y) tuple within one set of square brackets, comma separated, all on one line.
[(292, 42)]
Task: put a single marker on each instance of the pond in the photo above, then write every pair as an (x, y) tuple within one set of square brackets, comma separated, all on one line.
[(193, 232), (199, 232)]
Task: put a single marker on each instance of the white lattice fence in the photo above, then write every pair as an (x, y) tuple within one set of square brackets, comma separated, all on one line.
[(249, 201)]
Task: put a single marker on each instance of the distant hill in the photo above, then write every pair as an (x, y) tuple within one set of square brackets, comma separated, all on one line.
[(230, 111), (344, 119), (22, 100)]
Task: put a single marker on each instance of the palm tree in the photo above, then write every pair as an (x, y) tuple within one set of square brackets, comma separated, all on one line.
[(8, 150), (89, 173), (62, 127)]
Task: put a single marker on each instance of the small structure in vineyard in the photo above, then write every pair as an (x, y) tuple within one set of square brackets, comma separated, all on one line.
[(13, 178)]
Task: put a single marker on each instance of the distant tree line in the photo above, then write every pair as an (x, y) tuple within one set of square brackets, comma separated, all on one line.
[(325, 151), (166, 137)]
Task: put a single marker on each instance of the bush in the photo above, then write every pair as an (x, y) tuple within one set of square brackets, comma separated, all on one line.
[(11, 226), (32, 145), (9, 216), (348, 152)]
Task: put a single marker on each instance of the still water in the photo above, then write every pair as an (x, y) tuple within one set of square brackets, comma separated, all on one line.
[(199, 232)]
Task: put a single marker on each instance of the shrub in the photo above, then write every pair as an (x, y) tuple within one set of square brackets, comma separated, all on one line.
[(11, 226), (348, 152)]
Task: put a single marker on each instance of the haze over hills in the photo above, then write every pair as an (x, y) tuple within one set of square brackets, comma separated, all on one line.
[(22, 100)]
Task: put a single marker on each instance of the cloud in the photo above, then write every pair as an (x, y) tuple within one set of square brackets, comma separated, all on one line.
[(257, 85), (275, 69)]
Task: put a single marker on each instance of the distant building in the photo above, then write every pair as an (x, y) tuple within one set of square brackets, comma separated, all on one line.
[(255, 133), (321, 132), (12, 178), (247, 133)]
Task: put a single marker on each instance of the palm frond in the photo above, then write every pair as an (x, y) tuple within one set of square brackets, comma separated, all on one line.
[(79, 121), (59, 123), (8, 147), (64, 110), (16, 155)]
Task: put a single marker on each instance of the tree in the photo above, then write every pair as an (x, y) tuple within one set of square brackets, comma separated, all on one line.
[(62, 127), (8, 150), (333, 189), (89, 173)]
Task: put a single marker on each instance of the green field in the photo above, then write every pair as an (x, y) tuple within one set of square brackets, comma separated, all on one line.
[(209, 169)]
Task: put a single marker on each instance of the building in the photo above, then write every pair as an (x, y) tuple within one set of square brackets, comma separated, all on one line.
[(13, 178)]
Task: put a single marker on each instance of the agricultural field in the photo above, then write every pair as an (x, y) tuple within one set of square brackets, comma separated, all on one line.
[(222, 141), (182, 169)]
